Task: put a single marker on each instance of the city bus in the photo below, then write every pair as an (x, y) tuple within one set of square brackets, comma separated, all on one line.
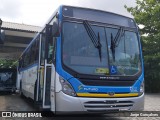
[(84, 60)]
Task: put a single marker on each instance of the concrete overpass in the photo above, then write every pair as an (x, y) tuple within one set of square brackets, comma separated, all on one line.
[(17, 37)]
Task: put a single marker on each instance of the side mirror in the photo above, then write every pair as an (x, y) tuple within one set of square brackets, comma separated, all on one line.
[(55, 29), (143, 50)]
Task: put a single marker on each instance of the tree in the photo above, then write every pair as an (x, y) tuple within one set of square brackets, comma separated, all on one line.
[(147, 13), (7, 63)]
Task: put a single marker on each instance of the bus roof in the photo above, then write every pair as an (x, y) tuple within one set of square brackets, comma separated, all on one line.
[(97, 16), (93, 9)]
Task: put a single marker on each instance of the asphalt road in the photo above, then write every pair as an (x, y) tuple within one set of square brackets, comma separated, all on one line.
[(16, 103)]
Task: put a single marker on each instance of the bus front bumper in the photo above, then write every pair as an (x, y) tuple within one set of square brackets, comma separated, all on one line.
[(69, 104)]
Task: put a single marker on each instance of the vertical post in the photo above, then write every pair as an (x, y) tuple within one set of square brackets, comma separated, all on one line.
[(48, 38), (1, 33), (1, 41), (0, 23), (0, 29)]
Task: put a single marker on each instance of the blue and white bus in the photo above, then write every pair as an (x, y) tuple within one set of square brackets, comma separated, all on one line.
[(84, 60)]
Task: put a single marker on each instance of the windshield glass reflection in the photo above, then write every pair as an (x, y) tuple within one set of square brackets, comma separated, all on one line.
[(80, 54)]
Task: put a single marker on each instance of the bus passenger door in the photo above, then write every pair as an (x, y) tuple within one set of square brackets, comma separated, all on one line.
[(47, 69)]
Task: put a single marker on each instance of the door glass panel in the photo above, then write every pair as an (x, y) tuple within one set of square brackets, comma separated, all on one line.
[(42, 49)]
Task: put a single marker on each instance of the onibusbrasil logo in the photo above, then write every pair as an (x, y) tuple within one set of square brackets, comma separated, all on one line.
[(21, 114)]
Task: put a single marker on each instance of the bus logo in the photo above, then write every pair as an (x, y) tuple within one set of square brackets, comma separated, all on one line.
[(80, 87), (6, 114), (111, 93)]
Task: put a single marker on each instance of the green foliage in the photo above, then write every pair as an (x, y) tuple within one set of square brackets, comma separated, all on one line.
[(6, 63), (147, 13)]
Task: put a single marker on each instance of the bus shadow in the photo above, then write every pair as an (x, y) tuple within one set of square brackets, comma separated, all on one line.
[(50, 116), (82, 117)]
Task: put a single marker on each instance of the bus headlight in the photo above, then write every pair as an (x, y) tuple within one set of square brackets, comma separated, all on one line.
[(66, 87), (141, 91)]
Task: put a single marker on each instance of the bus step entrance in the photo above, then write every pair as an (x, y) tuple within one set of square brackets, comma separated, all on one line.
[(47, 101)]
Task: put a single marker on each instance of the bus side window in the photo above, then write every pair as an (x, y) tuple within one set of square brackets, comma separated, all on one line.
[(37, 49), (51, 46), (24, 61), (50, 51), (42, 48), (54, 51), (20, 64), (32, 53), (27, 57)]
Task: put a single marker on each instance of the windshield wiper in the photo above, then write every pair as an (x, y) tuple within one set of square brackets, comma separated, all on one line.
[(115, 41), (95, 40), (113, 47), (118, 36)]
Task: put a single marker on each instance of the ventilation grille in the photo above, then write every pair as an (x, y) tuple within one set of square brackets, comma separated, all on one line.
[(107, 82), (108, 106)]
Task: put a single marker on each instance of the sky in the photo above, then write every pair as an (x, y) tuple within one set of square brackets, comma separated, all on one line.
[(37, 12)]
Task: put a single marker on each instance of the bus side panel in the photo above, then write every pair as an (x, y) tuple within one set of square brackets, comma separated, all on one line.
[(29, 77)]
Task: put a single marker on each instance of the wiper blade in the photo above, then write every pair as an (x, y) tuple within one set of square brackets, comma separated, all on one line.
[(115, 41), (99, 47), (91, 34), (95, 40), (112, 47), (118, 36)]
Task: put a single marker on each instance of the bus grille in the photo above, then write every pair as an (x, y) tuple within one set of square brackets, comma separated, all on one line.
[(107, 82), (108, 106)]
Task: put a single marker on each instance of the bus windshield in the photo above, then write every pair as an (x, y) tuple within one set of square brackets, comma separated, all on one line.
[(80, 55)]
